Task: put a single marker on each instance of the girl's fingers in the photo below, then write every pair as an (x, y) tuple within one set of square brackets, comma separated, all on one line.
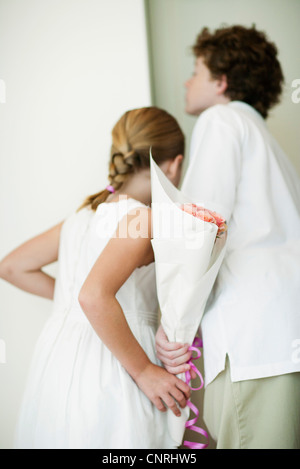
[(169, 347), (171, 404), (162, 341), (177, 370), (173, 352), (159, 404), (184, 387), (180, 397), (174, 359)]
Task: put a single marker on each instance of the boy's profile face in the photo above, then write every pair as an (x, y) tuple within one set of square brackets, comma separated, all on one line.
[(203, 91)]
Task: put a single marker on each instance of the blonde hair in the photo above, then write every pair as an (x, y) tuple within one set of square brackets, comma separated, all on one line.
[(133, 135)]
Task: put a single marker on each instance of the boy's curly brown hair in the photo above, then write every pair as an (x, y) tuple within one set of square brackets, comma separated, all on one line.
[(249, 61)]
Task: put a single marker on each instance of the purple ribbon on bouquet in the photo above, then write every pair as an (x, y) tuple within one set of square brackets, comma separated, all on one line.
[(195, 347)]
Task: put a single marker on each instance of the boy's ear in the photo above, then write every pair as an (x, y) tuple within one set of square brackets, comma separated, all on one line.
[(222, 84)]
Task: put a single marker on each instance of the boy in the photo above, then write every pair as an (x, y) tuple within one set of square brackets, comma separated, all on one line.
[(251, 327)]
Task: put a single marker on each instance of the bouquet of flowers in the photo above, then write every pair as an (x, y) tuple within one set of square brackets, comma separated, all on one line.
[(206, 215), (189, 243)]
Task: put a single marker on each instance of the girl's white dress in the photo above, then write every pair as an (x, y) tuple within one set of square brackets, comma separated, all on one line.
[(78, 395)]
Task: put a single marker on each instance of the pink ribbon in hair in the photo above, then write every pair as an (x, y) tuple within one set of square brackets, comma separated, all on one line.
[(110, 188), (195, 347)]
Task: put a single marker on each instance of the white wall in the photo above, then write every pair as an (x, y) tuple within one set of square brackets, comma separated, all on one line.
[(70, 68)]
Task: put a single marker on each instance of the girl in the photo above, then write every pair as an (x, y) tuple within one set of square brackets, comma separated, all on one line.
[(95, 381)]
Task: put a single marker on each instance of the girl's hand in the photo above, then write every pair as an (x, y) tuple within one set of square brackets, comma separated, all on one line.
[(163, 389), (173, 355)]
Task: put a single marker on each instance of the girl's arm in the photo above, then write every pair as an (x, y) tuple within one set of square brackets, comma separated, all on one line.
[(22, 267), (118, 260)]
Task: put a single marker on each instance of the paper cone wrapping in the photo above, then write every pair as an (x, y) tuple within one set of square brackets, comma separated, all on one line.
[(187, 260)]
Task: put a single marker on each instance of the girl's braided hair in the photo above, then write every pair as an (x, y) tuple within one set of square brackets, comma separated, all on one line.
[(133, 135)]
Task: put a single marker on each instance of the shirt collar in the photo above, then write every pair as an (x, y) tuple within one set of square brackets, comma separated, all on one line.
[(246, 107)]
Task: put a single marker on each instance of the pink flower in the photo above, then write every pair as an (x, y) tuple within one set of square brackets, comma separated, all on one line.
[(206, 215)]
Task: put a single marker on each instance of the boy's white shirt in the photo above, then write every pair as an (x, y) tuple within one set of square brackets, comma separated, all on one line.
[(253, 314)]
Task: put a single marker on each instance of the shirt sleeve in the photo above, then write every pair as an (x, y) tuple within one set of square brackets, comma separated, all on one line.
[(213, 173)]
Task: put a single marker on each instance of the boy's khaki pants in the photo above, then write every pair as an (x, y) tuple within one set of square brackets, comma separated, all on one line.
[(255, 414)]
